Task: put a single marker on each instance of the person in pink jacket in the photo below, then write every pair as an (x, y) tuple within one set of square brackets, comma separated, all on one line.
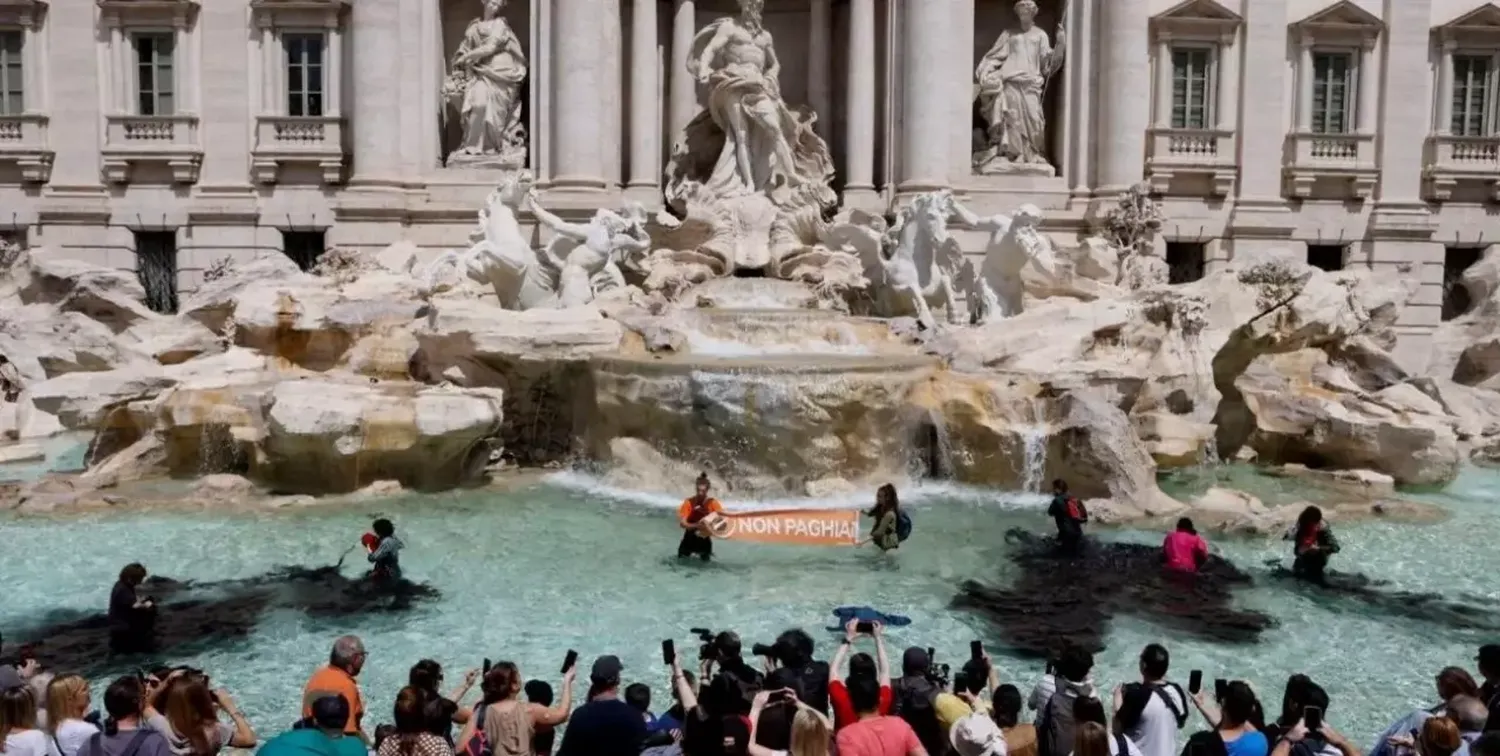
[(1184, 550)]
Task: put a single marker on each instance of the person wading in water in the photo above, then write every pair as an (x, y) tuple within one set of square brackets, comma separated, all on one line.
[(690, 517), (1312, 544), (1068, 512)]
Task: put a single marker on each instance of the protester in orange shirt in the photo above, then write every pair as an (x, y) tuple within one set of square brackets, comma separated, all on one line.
[(690, 516)]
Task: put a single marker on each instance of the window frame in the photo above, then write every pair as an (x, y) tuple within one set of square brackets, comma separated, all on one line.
[(1211, 52), (1352, 83), (21, 54), (274, 19), (288, 96), (135, 35)]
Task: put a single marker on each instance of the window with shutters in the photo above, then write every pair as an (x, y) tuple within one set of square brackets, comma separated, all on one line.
[(1473, 95), (1192, 87), (155, 83), (13, 71), (1333, 92), (304, 72)]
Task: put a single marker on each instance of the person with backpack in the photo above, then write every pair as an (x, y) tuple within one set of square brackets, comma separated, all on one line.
[(125, 733), (1151, 711), (1056, 731), (892, 525), (1070, 515), (916, 700), (1088, 713)]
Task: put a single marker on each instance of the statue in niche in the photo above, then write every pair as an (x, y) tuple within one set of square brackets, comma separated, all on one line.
[(1011, 81), (484, 88), (748, 163)]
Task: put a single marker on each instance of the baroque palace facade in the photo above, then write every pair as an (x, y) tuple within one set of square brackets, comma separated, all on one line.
[(166, 135)]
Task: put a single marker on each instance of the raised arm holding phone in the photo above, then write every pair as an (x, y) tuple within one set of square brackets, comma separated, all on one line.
[(861, 665)]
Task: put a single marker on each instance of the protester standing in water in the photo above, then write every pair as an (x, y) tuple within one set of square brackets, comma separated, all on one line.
[(132, 620), (1312, 544), (1184, 550), (385, 554), (1069, 514), (690, 517), (887, 513)]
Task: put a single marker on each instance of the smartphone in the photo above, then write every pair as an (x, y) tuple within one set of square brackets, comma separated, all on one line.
[(1312, 718), (866, 628), (668, 652), (931, 654), (487, 665), (976, 650), (777, 696), (1050, 667), (1195, 681), (569, 661), (1221, 688)]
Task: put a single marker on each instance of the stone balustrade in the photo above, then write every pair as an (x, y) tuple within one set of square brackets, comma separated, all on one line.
[(23, 141), (1451, 160), (132, 141), (316, 141), (1348, 158), (1206, 153)]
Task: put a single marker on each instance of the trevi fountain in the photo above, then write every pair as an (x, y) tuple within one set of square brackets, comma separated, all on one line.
[(798, 353)]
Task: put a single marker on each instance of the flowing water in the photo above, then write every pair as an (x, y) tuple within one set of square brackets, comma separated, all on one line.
[(564, 564)]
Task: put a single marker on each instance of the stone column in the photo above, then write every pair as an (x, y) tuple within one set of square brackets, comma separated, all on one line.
[(1369, 88), (1445, 88), (820, 64), (376, 71), (961, 98), (645, 99), (859, 118), (1164, 82), (1406, 123), (585, 118), (1260, 218), (1305, 74), (1226, 105), (1124, 115), (926, 38), (684, 88)]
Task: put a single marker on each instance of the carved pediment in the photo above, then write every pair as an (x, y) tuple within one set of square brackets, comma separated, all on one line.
[(1196, 19), (298, 12), (143, 12), (1480, 25), (27, 13), (1343, 21)]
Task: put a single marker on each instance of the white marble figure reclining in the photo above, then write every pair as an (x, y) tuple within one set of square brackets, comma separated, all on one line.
[(998, 288)]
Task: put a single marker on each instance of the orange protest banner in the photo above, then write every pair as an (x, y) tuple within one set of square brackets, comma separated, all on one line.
[(809, 527)]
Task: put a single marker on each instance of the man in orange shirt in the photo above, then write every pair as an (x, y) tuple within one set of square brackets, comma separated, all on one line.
[(690, 516), (337, 679)]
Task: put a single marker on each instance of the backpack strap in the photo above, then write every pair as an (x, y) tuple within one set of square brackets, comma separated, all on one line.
[(1122, 747), (1180, 714), (136, 742)]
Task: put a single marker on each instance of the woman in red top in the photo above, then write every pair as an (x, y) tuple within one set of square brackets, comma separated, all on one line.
[(861, 665)]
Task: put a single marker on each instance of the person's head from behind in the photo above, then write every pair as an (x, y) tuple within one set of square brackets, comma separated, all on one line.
[(1185, 525), (410, 713), (915, 662), (331, 714), (67, 698), (1075, 663), (190, 709), (862, 665), (864, 693), (729, 646), (17, 710), (1006, 706), (1489, 660), (1089, 709), (736, 737), (348, 654), (133, 574), (1439, 737), (425, 674), (124, 699), (1238, 705), (539, 692), (810, 735), (1455, 681), (1154, 662), (972, 678), (604, 676), (1060, 487), (701, 485), (1292, 698), (1468, 712), (1091, 739), (638, 696), (501, 683), (1308, 521), (795, 647), (886, 498)]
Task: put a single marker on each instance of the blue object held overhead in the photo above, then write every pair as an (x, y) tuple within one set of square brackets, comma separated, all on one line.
[(866, 614)]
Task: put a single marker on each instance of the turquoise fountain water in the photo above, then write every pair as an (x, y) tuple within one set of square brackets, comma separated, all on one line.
[(565, 564)]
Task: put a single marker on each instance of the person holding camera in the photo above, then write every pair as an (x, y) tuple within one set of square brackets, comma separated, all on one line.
[(132, 619), (125, 732), (732, 688), (793, 653), (190, 716)]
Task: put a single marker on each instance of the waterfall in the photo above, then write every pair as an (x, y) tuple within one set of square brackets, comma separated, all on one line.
[(1034, 438)]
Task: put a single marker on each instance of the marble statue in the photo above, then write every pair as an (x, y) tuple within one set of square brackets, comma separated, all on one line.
[(748, 164), (484, 87), (913, 266), (1011, 82), (587, 256), (999, 289)]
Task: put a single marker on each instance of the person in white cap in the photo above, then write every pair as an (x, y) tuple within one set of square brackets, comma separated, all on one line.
[(977, 735)]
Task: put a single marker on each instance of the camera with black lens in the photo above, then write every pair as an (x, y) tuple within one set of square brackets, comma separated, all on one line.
[(939, 674), (710, 649), (769, 650)]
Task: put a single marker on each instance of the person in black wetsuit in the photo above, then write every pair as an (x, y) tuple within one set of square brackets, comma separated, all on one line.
[(1069, 514), (132, 620), (1312, 544)]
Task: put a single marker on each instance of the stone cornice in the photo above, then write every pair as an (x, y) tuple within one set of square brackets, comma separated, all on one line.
[(134, 12), (27, 13)]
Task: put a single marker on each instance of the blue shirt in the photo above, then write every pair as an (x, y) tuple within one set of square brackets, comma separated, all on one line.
[(1252, 743), (312, 742), (606, 727)]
